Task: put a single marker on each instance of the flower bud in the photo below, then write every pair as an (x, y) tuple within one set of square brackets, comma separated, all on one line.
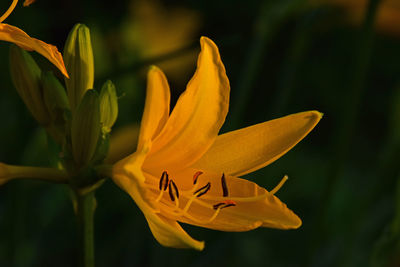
[(85, 128), (56, 101), (25, 74), (108, 106), (55, 97), (78, 58)]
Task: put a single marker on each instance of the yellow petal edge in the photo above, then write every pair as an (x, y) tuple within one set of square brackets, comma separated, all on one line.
[(17, 36)]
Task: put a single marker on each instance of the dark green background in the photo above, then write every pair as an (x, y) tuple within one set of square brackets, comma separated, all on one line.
[(281, 57)]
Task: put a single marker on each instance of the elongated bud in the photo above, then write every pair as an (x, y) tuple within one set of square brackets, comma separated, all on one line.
[(25, 75), (55, 97), (56, 101), (85, 128), (78, 58), (108, 106)]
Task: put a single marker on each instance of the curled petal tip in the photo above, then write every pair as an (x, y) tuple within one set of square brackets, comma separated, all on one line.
[(153, 67), (319, 114), (206, 41), (200, 247)]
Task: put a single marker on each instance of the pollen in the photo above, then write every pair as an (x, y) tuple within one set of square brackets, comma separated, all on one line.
[(193, 195), (164, 181), (224, 204), (163, 185), (173, 190), (224, 187), (202, 190), (196, 176)]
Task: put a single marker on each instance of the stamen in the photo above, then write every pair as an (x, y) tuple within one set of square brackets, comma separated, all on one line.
[(231, 204), (9, 10), (164, 181), (224, 204), (284, 179), (173, 190), (218, 207), (203, 190), (160, 195), (198, 193), (196, 176), (224, 187)]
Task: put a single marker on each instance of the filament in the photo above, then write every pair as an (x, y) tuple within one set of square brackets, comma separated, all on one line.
[(168, 184), (284, 179)]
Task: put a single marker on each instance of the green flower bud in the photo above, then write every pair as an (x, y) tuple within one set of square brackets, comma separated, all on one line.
[(56, 101), (85, 128), (78, 58), (55, 97), (108, 106), (25, 74)]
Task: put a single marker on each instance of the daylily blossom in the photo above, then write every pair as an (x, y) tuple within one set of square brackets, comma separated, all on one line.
[(183, 171), (17, 36)]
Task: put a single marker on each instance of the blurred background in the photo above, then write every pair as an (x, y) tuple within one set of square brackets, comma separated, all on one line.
[(341, 57)]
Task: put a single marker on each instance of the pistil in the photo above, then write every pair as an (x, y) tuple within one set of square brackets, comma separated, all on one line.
[(276, 188)]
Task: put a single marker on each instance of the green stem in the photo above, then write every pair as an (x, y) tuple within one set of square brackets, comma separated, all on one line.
[(86, 205), (8, 172)]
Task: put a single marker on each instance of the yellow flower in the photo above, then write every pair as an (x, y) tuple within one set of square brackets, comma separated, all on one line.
[(183, 171), (17, 36)]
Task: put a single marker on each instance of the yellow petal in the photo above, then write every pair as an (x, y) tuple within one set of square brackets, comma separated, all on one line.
[(170, 234), (255, 206), (246, 150), (197, 117), (131, 167), (131, 179), (156, 110), (15, 35)]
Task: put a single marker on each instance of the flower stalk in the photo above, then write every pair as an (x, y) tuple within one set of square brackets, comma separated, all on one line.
[(86, 205), (8, 172)]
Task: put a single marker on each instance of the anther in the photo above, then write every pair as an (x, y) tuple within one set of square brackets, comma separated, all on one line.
[(284, 179), (164, 181), (173, 190), (196, 176), (224, 187), (224, 204), (229, 203), (203, 190)]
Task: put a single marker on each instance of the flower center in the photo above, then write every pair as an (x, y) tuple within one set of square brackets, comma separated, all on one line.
[(193, 195)]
